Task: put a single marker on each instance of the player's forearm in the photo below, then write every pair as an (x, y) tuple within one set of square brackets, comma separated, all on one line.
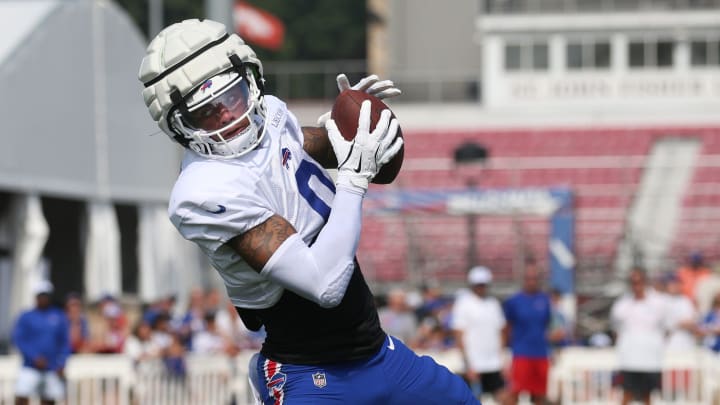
[(321, 272)]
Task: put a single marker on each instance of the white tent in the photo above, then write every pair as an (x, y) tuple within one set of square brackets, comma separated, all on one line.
[(74, 126)]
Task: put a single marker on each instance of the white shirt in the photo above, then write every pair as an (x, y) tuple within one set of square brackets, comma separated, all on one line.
[(640, 326), (214, 201), (136, 349), (481, 320), (206, 342), (680, 309)]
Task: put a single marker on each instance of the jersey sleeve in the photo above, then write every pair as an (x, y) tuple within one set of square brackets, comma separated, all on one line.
[(213, 222)]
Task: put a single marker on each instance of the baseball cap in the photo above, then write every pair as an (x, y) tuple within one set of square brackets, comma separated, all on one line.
[(479, 275), (42, 287)]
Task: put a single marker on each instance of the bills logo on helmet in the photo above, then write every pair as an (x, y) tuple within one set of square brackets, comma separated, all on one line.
[(206, 85), (319, 379), (286, 155)]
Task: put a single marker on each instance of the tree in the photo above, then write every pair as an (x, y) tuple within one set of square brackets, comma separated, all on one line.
[(314, 29)]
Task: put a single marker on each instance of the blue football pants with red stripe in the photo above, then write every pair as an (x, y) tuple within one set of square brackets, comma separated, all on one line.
[(395, 375)]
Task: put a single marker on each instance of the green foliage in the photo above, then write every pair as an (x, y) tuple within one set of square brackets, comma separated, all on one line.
[(318, 29), (314, 29), (174, 11)]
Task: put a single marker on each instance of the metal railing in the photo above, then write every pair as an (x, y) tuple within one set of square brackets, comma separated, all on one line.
[(574, 6), (315, 80)]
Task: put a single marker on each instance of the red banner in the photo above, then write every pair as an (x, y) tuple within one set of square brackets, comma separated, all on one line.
[(257, 26)]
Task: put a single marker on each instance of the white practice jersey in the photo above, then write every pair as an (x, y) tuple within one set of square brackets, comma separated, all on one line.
[(214, 201)]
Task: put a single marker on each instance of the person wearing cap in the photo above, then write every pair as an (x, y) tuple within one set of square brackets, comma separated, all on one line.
[(478, 323), (42, 335)]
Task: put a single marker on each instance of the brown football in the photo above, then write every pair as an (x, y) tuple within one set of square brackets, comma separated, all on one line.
[(346, 112)]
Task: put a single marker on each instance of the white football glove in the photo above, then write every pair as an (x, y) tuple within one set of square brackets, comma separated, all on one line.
[(372, 85), (360, 160)]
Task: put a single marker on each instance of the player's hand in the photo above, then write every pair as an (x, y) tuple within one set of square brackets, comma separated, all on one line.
[(372, 85), (360, 160)]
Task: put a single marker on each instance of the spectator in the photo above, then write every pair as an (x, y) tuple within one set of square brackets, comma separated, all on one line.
[(174, 357), (638, 318), (433, 314), (211, 341), (139, 345), (229, 325), (108, 300), (193, 320), (43, 339), (528, 315), (78, 324), (706, 291), (213, 300), (396, 318), (710, 327), (478, 323), (163, 306), (432, 298), (112, 337), (162, 334), (681, 317), (691, 274)]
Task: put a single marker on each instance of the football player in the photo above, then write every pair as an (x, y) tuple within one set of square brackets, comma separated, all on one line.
[(254, 194)]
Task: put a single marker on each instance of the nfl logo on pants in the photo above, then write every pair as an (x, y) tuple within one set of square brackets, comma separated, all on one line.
[(319, 379)]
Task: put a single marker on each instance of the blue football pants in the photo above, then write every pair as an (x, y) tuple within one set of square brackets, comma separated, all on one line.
[(395, 375)]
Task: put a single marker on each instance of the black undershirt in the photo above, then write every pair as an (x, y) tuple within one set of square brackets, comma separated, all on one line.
[(299, 331)]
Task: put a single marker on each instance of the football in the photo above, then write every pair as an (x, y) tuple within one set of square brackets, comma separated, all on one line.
[(346, 112)]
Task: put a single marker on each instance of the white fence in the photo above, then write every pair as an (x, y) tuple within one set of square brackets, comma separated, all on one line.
[(578, 376), (115, 380)]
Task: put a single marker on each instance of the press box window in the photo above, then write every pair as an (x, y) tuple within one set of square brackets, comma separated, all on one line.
[(526, 56), (705, 52), (659, 53), (588, 55)]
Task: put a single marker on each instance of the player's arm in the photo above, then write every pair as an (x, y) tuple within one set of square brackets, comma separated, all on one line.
[(318, 146), (321, 272), (316, 142)]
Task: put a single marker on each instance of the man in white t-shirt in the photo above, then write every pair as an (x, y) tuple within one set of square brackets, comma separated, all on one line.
[(681, 317), (639, 319), (478, 322)]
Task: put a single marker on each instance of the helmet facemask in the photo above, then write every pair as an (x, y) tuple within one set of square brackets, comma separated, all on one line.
[(223, 118)]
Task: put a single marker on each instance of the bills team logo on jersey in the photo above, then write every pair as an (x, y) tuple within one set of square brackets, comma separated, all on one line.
[(319, 379), (277, 381), (286, 155)]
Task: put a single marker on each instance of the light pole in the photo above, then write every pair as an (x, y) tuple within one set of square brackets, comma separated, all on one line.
[(469, 158)]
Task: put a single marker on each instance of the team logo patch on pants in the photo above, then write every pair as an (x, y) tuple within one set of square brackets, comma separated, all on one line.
[(275, 380), (319, 379)]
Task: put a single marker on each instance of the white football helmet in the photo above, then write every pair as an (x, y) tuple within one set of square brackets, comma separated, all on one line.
[(204, 88)]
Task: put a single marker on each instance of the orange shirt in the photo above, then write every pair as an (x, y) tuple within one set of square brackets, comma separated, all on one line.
[(689, 278)]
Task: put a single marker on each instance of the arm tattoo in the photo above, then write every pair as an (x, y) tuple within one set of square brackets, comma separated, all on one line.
[(318, 146), (257, 245)]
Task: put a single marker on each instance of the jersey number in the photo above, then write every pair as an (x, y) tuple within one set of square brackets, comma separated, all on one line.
[(305, 171)]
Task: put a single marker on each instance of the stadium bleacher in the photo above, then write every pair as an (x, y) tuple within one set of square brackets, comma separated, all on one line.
[(603, 168)]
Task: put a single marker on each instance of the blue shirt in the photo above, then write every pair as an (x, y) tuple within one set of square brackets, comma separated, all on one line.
[(43, 333), (712, 342), (529, 317)]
